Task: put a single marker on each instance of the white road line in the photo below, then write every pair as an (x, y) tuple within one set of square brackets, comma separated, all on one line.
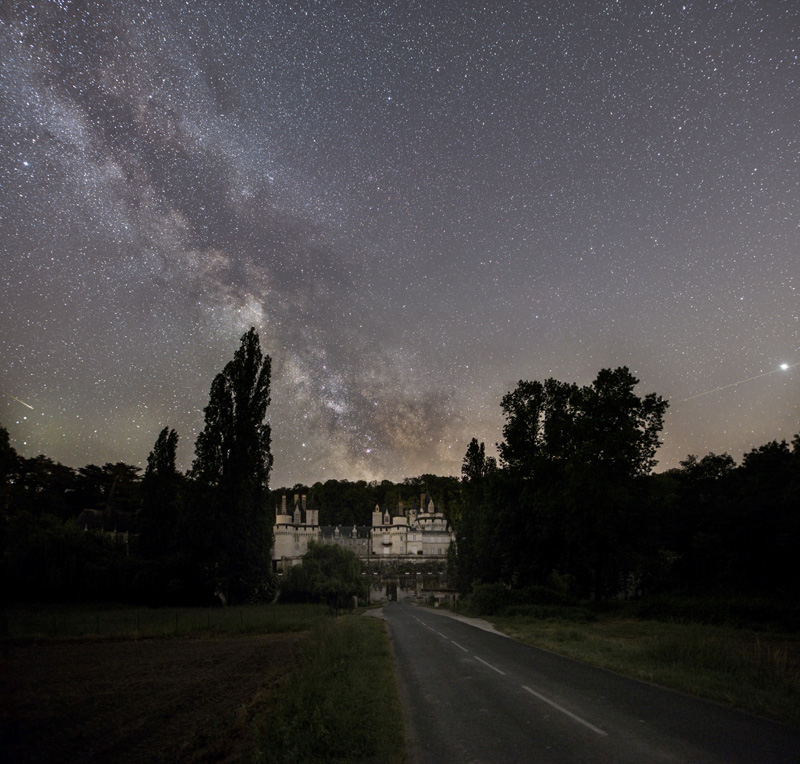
[(459, 646), (564, 711), (493, 668)]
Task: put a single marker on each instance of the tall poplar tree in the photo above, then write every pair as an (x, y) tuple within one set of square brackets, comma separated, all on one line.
[(231, 468), (159, 531)]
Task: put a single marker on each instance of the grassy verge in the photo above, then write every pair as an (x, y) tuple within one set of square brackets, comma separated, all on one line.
[(39, 622), (336, 702), (757, 672), (339, 704)]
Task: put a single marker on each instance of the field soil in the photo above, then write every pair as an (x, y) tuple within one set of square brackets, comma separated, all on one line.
[(151, 700)]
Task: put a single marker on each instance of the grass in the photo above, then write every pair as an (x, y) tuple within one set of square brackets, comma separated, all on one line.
[(756, 672), (41, 622), (340, 704)]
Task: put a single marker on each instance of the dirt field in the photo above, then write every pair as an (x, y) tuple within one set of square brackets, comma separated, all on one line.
[(169, 700)]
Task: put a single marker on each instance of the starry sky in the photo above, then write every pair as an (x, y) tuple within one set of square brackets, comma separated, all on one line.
[(416, 204)]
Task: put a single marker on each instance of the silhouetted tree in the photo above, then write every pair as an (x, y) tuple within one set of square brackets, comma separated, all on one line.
[(566, 500), (475, 466), (159, 516), (9, 464), (232, 528)]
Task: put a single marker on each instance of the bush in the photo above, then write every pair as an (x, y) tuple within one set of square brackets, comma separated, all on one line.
[(756, 614), (498, 599), (328, 574), (551, 613)]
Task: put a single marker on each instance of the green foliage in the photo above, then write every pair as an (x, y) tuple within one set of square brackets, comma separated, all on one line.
[(756, 672), (328, 573), (497, 599), (340, 704)]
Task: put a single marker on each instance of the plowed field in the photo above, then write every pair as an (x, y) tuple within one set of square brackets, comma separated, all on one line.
[(168, 700)]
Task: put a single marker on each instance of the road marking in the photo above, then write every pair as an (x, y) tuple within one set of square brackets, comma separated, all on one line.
[(438, 633), (493, 668), (564, 710), (541, 697)]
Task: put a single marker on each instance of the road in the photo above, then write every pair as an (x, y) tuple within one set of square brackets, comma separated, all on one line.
[(472, 696)]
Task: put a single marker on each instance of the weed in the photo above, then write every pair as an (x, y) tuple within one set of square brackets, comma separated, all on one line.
[(340, 704), (755, 672)]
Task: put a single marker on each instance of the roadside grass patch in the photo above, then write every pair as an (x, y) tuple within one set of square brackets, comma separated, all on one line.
[(339, 704), (753, 671), (43, 622)]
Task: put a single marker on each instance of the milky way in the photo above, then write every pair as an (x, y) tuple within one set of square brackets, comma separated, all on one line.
[(415, 203)]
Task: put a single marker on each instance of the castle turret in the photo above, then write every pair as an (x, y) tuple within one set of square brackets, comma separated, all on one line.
[(312, 513), (377, 517), (282, 516)]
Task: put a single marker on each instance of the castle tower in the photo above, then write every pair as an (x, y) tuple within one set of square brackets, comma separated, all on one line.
[(312, 513), (282, 516)]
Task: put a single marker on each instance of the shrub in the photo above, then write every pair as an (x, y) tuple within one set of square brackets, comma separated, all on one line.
[(498, 599)]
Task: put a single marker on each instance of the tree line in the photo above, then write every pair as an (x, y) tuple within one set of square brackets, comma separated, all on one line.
[(164, 536), (160, 536), (348, 503), (572, 503)]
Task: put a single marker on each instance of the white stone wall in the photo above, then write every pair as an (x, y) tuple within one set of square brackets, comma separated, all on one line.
[(417, 536)]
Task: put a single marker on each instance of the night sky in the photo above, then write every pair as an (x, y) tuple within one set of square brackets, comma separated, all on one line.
[(416, 204)]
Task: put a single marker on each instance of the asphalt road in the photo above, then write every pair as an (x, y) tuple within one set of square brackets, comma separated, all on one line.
[(472, 696)]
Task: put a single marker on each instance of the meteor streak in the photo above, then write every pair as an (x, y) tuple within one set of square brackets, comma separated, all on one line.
[(18, 400), (782, 367)]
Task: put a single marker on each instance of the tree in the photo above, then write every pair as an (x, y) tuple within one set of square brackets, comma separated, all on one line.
[(159, 514), (161, 460), (619, 431), (540, 424), (476, 466), (234, 446), (328, 573), (9, 465), (231, 468), (570, 458), (44, 486), (605, 425)]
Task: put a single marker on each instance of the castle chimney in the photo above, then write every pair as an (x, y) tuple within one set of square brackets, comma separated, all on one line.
[(305, 496), (283, 504)]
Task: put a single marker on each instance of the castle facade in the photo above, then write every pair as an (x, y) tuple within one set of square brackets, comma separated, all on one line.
[(413, 535)]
